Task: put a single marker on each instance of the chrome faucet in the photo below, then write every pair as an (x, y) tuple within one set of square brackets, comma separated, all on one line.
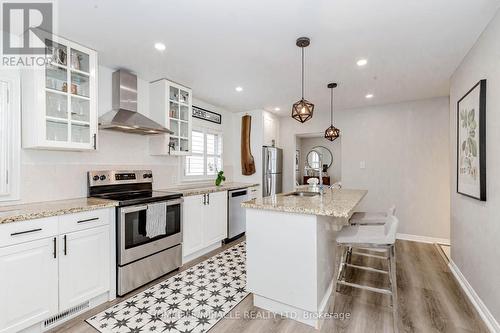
[(320, 171)]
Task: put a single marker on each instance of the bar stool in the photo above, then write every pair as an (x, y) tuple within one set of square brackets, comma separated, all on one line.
[(378, 237), (372, 217), (369, 218)]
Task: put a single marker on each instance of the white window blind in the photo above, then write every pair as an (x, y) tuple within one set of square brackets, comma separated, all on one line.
[(206, 156), (194, 163)]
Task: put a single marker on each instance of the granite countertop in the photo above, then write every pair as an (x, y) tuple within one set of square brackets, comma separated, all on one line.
[(338, 203), (196, 189), (37, 210)]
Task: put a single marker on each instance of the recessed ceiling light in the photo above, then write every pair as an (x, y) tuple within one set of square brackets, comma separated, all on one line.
[(239, 89), (160, 46), (277, 109), (361, 62), (369, 96)]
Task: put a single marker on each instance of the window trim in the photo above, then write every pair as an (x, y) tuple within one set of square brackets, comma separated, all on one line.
[(11, 77), (205, 177)]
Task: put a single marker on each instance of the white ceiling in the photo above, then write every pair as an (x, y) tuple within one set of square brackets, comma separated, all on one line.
[(413, 46)]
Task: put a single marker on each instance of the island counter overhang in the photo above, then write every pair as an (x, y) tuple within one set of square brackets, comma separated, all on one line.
[(291, 251)]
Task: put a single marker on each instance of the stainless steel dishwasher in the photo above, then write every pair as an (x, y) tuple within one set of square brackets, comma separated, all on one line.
[(236, 214)]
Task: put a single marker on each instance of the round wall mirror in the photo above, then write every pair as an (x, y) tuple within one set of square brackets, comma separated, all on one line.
[(317, 155)]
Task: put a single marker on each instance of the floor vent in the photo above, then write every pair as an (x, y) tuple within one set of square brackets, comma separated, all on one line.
[(63, 315)]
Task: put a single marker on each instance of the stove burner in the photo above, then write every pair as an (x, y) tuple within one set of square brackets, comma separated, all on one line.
[(126, 198), (126, 187)]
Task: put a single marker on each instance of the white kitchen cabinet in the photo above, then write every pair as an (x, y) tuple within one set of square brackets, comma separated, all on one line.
[(28, 284), (215, 221), (83, 266), (192, 217), (204, 223), (59, 100), (55, 264), (171, 106), (271, 129)]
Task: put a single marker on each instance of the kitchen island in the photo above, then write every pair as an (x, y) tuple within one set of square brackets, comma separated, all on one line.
[(291, 250)]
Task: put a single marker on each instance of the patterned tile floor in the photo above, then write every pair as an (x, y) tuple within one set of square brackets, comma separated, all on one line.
[(189, 302)]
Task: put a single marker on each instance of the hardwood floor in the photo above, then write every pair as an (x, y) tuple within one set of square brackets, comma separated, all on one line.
[(430, 300)]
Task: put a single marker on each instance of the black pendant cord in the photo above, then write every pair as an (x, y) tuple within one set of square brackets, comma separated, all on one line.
[(302, 48), (331, 106), (302, 110)]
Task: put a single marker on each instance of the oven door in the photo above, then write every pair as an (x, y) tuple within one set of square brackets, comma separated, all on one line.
[(134, 244)]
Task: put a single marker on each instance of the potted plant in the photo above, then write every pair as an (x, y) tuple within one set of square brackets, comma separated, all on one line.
[(220, 178)]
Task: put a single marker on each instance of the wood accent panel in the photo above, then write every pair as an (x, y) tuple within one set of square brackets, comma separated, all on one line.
[(247, 161)]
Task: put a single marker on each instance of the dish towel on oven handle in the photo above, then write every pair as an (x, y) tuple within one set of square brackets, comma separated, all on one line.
[(156, 219)]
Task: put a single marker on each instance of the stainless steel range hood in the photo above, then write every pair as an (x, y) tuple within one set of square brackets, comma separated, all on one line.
[(124, 116)]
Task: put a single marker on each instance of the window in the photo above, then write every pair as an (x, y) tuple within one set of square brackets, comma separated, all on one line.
[(206, 155), (9, 135)]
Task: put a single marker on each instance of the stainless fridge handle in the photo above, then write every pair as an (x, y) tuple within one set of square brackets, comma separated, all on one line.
[(268, 185), (268, 160), (271, 186)]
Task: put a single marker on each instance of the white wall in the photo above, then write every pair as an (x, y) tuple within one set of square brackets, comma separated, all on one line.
[(53, 175), (264, 128), (335, 170), (405, 150), (475, 225), (229, 141)]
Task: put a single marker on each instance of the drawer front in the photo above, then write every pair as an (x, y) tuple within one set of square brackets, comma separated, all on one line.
[(26, 231), (84, 220)]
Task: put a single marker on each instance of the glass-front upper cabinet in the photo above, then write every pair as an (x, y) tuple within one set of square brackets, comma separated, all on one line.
[(171, 106), (60, 99)]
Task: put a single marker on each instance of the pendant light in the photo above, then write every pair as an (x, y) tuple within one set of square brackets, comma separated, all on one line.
[(302, 110), (332, 132)]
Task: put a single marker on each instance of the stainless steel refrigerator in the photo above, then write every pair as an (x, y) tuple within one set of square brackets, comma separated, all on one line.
[(272, 166)]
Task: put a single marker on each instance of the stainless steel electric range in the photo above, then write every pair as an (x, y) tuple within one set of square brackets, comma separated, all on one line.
[(148, 225)]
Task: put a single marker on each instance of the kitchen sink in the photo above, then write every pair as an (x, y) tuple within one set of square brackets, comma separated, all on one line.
[(303, 194)]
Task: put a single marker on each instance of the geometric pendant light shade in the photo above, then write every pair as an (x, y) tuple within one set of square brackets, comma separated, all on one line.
[(302, 110), (332, 132)]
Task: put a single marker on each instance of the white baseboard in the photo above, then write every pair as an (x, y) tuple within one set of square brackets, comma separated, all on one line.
[(423, 239), (485, 314)]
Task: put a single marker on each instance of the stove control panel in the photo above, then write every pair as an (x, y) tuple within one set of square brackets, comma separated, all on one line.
[(125, 176), (109, 177)]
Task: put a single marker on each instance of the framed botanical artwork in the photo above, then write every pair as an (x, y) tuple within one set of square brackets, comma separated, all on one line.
[(471, 143)]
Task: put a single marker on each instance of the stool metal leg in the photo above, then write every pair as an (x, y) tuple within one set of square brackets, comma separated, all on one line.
[(344, 253), (336, 270), (349, 255), (394, 286)]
